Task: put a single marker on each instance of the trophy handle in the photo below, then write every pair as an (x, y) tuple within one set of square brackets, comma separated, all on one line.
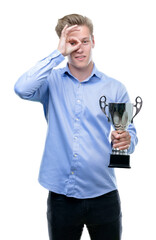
[(138, 106), (103, 106)]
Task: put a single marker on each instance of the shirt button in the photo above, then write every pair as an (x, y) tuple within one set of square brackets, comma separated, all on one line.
[(75, 155), (78, 101), (75, 138), (72, 173), (77, 119)]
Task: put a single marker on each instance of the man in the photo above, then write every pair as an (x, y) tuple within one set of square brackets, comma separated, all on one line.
[(74, 168)]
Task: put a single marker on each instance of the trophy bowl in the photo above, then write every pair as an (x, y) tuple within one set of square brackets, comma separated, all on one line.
[(120, 115)]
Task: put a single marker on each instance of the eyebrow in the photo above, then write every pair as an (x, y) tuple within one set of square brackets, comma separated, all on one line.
[(85, 38)]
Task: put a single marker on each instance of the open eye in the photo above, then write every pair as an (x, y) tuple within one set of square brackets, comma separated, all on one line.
[(85, 42), (73, 43)]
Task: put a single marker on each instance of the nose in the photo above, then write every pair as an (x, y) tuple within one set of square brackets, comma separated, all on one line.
[(80, 49)]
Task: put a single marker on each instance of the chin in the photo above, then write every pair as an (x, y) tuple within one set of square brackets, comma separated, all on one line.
[(81, 65)]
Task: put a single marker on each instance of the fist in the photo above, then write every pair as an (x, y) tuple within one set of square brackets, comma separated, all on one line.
[(121, 139)]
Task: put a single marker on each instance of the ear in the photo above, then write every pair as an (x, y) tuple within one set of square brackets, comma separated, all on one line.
[(93, 41)]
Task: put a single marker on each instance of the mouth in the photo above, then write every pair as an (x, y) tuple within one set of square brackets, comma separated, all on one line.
[(80, 58)]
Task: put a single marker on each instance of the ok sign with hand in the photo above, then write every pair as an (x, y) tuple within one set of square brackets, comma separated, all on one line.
[(67, 44)]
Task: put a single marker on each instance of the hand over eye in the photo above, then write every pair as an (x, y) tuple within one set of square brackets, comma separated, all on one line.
[(68, 44)]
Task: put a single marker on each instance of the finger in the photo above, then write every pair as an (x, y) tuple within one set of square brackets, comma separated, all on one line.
[(76, 47), (120, 131), (121, 140), (124, 147), (72, 28), (64, 30), (75, 43), (71, 47), (121, 144), (67, 29), (73, 40), (114, 135), (124, 135)]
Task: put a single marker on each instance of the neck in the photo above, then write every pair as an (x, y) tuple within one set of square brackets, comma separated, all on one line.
[(81, 73)]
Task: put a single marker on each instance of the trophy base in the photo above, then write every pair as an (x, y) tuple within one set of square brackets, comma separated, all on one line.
[(119, 161)]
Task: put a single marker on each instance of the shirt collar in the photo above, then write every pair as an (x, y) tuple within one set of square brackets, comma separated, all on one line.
[(95, 72)]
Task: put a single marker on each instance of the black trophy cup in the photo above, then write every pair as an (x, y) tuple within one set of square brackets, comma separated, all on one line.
[(121, 116)]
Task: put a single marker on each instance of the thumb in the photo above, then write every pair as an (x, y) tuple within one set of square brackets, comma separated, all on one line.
[(77, 46), (115, 135)]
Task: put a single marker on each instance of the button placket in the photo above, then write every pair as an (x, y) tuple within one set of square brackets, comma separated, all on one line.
[(77, 123), (76, 138)]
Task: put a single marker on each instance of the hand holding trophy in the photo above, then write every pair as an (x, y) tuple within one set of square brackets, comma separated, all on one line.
[(121, 116)]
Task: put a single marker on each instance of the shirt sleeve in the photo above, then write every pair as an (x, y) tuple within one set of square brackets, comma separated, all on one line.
[(33, 85)]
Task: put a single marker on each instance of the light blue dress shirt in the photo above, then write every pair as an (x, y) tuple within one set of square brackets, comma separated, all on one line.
[(77, 148)]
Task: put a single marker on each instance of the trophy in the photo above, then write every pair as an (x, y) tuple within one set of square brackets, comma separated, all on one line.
[(121, 116)]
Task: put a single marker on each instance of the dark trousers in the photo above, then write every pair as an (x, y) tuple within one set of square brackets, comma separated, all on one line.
[(67, 216)]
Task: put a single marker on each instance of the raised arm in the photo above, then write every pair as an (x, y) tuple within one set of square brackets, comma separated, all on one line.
[(33, 85)]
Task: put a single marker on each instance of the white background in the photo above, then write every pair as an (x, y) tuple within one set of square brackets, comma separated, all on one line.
[(126, 50)]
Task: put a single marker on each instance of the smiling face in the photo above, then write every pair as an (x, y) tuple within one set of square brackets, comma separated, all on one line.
[(81, 59)]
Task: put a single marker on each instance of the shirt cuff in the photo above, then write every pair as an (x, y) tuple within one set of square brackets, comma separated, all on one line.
[(56, 54), (134, 142)]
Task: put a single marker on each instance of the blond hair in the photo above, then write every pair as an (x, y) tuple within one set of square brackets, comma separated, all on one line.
[(73, 19)]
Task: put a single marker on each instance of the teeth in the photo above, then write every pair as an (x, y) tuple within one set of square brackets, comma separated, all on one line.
[(80, 57)]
